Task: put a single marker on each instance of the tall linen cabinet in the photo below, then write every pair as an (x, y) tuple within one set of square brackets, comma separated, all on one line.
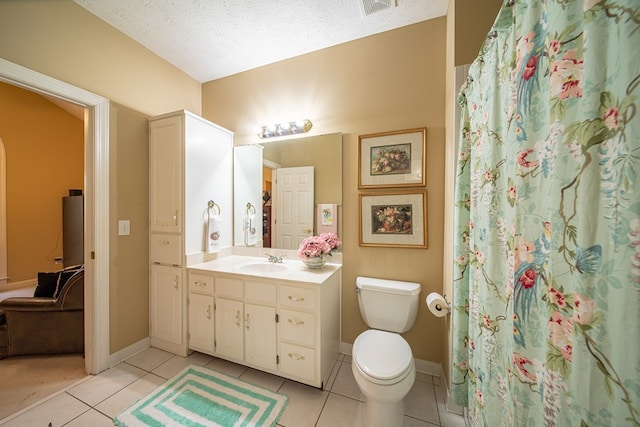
[(190, 165)]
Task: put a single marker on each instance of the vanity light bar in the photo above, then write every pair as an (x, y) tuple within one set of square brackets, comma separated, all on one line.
[(285, 128)]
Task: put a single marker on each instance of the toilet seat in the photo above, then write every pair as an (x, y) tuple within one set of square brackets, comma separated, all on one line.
[(383, 357)]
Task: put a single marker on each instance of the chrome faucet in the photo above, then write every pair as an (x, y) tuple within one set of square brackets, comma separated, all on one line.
[(274, 258)]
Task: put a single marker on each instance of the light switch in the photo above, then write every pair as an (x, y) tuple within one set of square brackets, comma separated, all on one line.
[(124, 227)]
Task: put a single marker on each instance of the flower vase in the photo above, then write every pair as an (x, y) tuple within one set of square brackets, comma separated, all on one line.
[(314, 262)]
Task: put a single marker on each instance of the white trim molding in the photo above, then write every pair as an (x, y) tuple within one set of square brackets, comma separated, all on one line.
[(4, 278), (96, 207), (127, 352)]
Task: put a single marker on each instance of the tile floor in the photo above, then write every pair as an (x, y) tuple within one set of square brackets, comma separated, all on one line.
[(96, 400)]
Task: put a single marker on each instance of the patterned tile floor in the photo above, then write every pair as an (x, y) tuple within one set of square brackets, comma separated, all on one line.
[(96, 400)]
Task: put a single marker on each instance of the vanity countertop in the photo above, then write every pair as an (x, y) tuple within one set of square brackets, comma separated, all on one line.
[(292, 270)]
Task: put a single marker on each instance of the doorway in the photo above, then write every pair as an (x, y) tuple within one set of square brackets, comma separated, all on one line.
[(96, 225)]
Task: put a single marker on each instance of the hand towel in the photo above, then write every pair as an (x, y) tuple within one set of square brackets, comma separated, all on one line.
[(251, 232), (213, 233)]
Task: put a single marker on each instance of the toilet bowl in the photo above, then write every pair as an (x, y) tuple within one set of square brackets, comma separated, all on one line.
[(384, 370), (383, 365)]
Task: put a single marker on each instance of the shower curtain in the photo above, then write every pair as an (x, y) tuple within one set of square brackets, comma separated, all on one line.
[(546, 305)]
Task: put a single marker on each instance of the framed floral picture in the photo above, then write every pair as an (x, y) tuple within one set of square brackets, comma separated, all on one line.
[(394, 219), (392, 159)]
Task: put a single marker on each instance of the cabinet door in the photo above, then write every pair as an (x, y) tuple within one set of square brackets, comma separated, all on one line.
[(229, 325), (201, 322), (166, 303), (260, 335), (165, 174)]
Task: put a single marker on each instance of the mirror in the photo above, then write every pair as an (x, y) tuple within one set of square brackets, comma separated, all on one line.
[(255, 189)]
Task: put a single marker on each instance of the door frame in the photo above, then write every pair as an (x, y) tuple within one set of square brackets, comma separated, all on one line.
[(96, 200)]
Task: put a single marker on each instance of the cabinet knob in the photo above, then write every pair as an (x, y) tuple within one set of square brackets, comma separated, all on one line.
[(296, 322), (295, 299), (175, 282), (164, 242), (238, 318), (296, 356), (246, 321), (209, 311)]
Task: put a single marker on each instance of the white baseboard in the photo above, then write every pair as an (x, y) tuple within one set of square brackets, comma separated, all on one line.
[(17, 285), (127, 352), (345, 348)]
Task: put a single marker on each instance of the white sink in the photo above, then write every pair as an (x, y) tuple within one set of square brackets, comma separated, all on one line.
[(262, 267)]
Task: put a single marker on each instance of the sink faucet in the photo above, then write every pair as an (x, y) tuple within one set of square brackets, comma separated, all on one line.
[(274, 258)]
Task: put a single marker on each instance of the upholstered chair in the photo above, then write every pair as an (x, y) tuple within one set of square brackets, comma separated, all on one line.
[(45, 325)]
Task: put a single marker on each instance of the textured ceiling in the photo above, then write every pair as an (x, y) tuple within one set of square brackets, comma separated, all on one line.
[(210, 39)]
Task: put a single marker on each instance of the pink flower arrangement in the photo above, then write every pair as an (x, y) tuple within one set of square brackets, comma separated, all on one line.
[(317, 246)]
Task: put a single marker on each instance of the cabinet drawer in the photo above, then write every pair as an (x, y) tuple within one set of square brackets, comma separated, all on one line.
[(296, 297), (298, 327), (260, 292), (165, 249), (298, 361), (201, 283), (228, 287)]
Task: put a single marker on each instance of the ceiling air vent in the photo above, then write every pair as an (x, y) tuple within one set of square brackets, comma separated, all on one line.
[(371, 6)]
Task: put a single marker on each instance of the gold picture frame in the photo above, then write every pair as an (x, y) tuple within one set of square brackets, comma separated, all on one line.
[(396, 220), (392, 159)]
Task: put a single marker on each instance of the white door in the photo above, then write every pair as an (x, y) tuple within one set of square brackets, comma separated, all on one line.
[(229, 324), (260, 336), (165, 165), (295, 206), (201, 322), (166, 303)]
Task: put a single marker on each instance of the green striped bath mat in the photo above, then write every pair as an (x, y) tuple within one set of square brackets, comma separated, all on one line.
[(199, 396)]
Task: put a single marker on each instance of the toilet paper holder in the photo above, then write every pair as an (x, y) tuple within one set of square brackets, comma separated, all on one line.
[(447, 307), (438, 304)]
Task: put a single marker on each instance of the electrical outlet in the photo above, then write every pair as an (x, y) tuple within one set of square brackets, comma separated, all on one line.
[(124, 227)]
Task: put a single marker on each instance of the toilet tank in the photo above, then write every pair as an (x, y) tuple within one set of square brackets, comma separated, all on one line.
[(388, 305)]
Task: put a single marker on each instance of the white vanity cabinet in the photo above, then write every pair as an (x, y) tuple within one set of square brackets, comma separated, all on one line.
[(229, 330), (245, 328), (298, 332), (201, 313), (260, 346), (286, 327), (190, 164), (166, 303)]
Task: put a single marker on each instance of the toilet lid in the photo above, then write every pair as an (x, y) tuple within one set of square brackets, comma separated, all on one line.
[(380, 354)]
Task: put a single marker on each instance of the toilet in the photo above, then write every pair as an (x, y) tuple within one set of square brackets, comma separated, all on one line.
[(382, 363)]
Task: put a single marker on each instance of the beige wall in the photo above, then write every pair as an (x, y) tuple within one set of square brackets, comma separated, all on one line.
[(129, 199), (317, 151), (44, 153), (472, 21), (64, 41), (385, 82), (60, 39)]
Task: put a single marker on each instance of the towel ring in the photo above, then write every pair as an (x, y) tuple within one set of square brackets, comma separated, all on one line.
[(212, 205), (251, 210)]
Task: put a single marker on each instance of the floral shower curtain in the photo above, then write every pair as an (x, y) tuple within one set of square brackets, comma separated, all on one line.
[(547, 220)]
